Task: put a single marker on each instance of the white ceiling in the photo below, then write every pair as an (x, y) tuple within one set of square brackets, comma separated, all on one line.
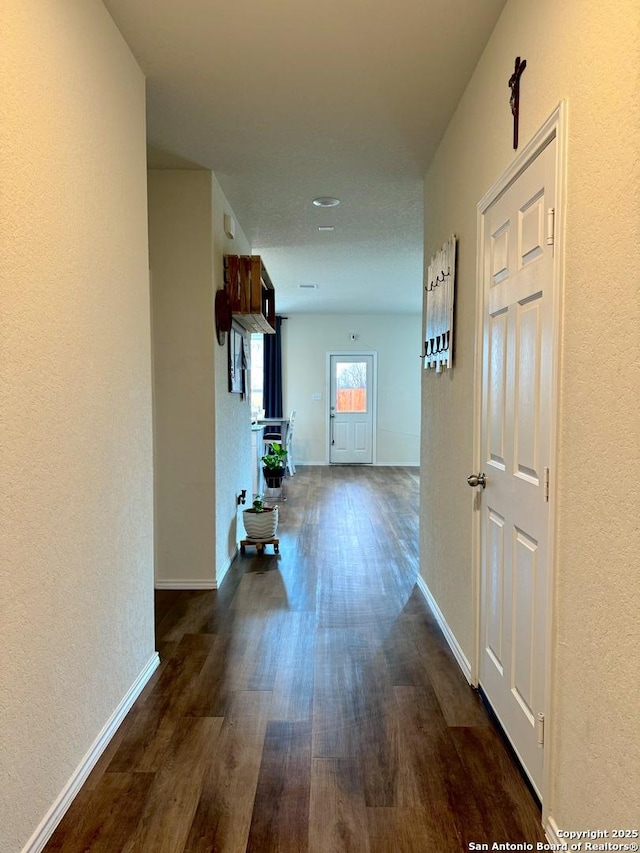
[(287, 100)]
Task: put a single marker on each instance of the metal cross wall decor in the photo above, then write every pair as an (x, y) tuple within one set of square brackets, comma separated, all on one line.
[(514, 100)]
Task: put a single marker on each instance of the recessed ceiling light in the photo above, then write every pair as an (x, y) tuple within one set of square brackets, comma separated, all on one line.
[(326, 201), (308, 286), (325, 227)]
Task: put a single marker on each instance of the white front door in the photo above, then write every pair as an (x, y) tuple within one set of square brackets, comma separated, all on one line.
[(351, 383), (516, 443)]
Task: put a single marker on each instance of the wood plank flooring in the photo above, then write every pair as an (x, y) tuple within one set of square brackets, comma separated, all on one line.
[(310, 705)]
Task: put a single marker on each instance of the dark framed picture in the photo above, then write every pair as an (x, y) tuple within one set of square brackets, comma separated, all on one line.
[(236, 362)]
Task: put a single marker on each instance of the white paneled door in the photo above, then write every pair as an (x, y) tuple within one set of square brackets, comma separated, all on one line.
[(516, 443), (351, 382)]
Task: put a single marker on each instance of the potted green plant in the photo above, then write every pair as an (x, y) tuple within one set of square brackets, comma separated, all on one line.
[(274, 465), (260, 521)]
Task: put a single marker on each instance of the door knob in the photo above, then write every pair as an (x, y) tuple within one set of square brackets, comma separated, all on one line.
[(477, 480)]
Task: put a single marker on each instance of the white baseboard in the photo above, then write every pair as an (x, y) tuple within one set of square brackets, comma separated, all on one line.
[(551, 831), (220, 576), (326, 464), (57, 811), (185, 584), (181, 583), (449, 636)]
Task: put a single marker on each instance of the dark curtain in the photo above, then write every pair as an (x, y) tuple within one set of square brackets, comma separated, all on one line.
[(272, 388)]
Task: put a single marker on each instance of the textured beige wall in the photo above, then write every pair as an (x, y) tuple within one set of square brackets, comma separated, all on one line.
[(233, 413), (76, 570), (307, 338), (587, 53), (202, 432), (183, 377)]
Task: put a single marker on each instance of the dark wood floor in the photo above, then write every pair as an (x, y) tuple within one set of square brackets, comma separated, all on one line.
[(310, 704)]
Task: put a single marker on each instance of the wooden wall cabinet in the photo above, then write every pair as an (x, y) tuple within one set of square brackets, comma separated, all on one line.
[(251, 293)]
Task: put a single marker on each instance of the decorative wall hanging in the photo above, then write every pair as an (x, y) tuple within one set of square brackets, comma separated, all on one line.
[(223, 315), (251, 293), (438, 307), (514, 99), (237, 362)]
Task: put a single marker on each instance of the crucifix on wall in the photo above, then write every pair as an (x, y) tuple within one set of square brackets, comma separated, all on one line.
[(514, 100)]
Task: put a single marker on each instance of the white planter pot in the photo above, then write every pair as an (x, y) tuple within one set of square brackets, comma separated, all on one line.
[(260, 526)]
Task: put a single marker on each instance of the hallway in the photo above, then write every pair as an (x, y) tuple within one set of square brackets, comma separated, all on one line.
[(310, 704)]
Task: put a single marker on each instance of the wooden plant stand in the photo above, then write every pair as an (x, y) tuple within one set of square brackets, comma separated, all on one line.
[(259, 545)]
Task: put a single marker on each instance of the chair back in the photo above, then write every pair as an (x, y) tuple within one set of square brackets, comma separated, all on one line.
[(292, 418), (290, 463)]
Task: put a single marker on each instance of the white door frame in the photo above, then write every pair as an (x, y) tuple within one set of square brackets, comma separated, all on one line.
[(374, 400), (555, 126)]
